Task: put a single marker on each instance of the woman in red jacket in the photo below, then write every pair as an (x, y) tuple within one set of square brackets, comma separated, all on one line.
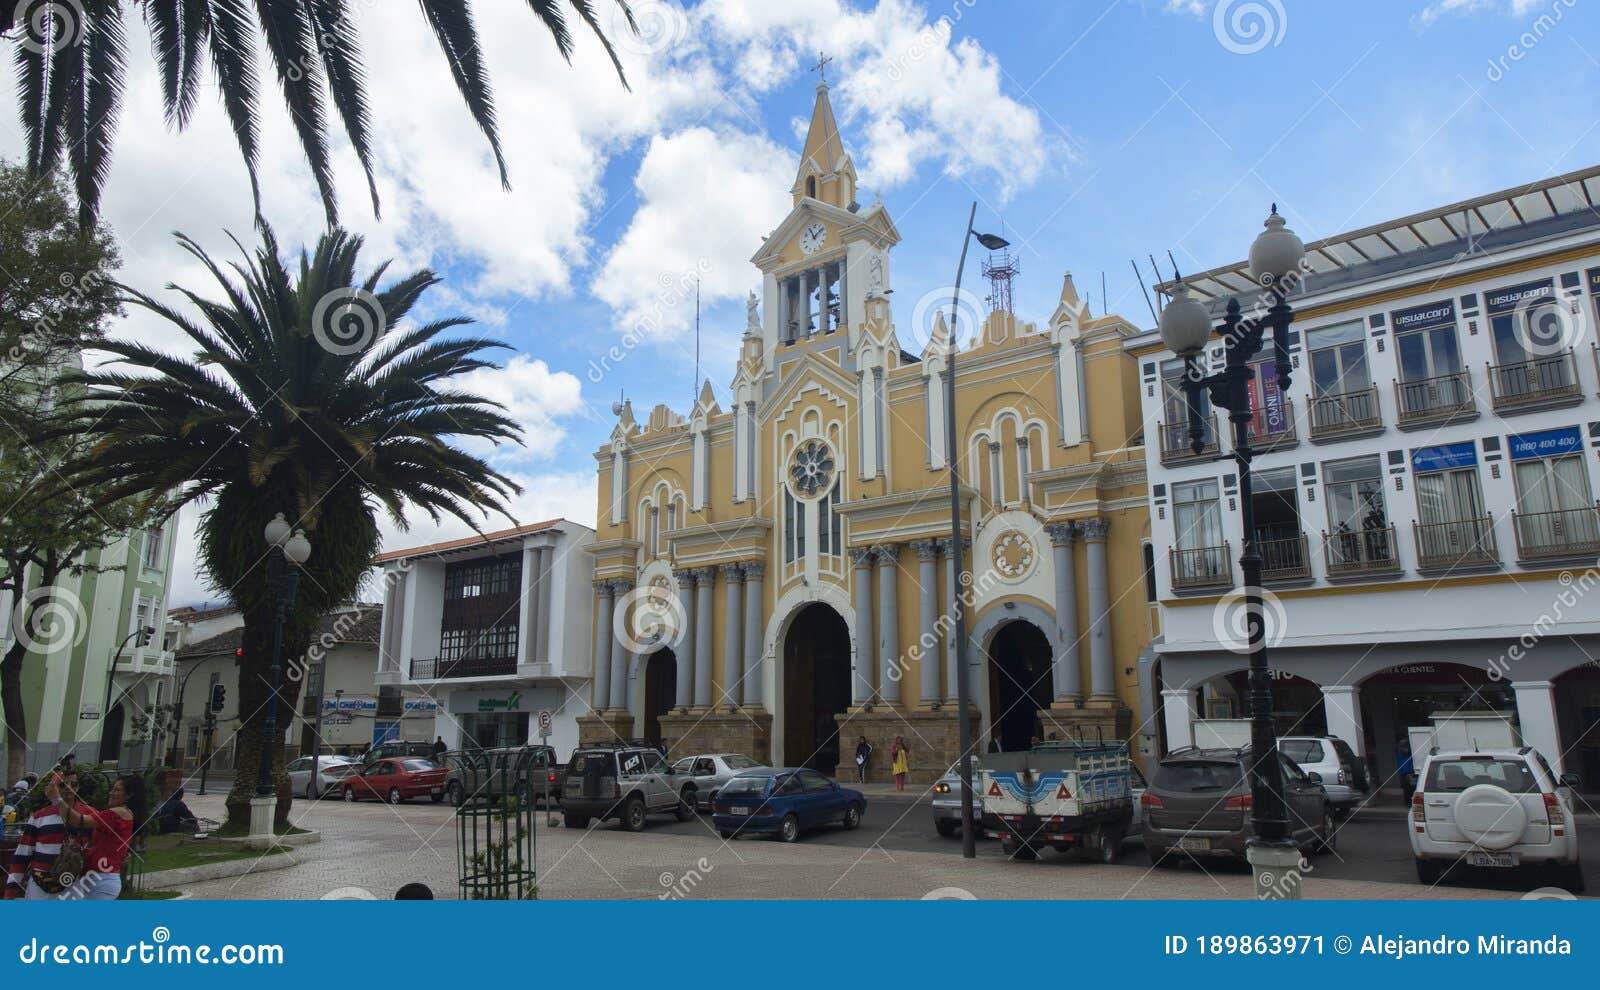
[(111, 835)]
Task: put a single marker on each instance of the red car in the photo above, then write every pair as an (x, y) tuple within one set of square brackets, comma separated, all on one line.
[(395, 779)]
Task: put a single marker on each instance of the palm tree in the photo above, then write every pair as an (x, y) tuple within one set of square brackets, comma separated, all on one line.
[(310, 395), (71, 58)]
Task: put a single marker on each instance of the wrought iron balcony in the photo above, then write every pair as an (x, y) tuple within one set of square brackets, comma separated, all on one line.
[(1457, 543), (1175, 447), (438, 670), (1360, 553), (1445, 398), (1268, 435), (1541, 381), (1283, 558), (1339, 414), (1201, 567), (1558, 534)]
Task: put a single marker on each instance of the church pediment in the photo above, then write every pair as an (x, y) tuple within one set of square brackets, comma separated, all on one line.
[(810, 372)]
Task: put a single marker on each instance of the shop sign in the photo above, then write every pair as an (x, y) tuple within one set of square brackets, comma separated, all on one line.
[(510, 703), (1444, 457), (1546, 443), (1508, 299), (1419, 317)]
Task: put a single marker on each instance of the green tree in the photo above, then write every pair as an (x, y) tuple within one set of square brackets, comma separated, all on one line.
[(56, 299), (311, 395), (71, 58)]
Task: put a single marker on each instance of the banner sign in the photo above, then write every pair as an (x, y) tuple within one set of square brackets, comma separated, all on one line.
[(1594, 281), (1436, 314), (1507, 299), (1444, 458), (383, 732), (1546, 443)]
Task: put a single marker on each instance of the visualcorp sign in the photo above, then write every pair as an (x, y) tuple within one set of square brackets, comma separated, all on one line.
[(1436, 314), (1546, 443), (1444, 457), (1510, 298)]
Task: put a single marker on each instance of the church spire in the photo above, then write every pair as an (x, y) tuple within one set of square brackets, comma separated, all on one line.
[(826, 171)]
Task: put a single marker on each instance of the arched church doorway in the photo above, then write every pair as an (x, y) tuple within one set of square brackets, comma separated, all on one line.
[(1019, 683), (816, 687), (111, 733), (660, 690)]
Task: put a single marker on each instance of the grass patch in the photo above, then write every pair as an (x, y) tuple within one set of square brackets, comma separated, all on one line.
[(241, 831), (171, 852)]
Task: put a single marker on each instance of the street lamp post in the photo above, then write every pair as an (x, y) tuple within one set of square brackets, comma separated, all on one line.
[(285, 554), (143, 633), (1275, 262), (969, 834)]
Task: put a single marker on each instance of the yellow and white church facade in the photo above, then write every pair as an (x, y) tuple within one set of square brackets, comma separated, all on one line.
[(776, 577)]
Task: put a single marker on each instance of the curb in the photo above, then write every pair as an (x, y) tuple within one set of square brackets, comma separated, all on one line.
[(166, 879), (290, 841)]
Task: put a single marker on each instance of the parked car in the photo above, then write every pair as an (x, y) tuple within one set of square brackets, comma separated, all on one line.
[(395, 779), (1502, 809), (1199, 802), (395, 747), (1331, 758), (946, 800), (495, 771), (331, 770), (783, 802), (627, 783), (707, 773)]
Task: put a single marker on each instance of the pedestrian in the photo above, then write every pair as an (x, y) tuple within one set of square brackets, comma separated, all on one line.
[(49, 856), (900, 759), (414, 892), (439, 749), (863, 757), (1404, 769), (172, 814), (110, 835), (994, 744)]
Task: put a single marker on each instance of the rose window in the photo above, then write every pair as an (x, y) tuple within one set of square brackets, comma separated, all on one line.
[(1013, 555), (812, 469)]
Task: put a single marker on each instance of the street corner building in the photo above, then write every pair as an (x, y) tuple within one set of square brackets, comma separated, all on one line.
[(776, 577), (493, 631), (1424, 492)]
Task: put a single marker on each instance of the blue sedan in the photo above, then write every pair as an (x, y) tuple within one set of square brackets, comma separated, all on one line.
[(784, 801)]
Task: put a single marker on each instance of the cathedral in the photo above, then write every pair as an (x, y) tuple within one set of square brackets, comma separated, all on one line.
[(776, 577)]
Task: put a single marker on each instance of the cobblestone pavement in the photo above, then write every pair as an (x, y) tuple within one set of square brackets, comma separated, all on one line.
[(371, 848)]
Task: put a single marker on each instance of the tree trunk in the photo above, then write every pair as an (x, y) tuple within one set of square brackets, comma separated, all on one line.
[(15, 715), (255, 669)]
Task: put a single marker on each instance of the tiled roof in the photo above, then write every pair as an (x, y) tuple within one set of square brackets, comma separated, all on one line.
[(467, 541), (365, 630)]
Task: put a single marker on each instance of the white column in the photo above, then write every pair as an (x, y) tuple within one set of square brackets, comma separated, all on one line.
[(1068, 668), (1102, 669), (1341, 705), (754, 571), (861, 670), (603, 641), (732, 638), (1536, 715), (683, 648), (891, 668), (1177, 705), (928, 620), (547, 580), (705, 583), (528, 608), (619, 658)]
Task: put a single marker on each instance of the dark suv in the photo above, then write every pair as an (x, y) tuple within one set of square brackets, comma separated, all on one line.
[(1199, 803), (627, 783)]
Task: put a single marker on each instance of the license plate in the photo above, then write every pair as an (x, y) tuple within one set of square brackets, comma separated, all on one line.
[(1192, 844), (434, 790), (741, 811), (1491, 859)]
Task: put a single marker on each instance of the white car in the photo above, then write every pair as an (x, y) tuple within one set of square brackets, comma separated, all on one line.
[(709, 771), (330, 771), (1502, 809)]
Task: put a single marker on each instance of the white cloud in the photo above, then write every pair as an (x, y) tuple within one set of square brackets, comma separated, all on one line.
[(533, 395), (706, 198), (1195, 7), (1444, 8)]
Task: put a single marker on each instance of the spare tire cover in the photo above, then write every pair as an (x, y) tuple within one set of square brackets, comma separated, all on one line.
[(1491, 817)]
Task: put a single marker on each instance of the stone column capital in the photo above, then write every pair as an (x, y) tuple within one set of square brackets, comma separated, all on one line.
[(1062, 534), (603, 588), (927, 550), (685, 576), (622, 587), (1094, 529), (732, 573), (755, 570), (704, 575), (862, 557), (887, 553)]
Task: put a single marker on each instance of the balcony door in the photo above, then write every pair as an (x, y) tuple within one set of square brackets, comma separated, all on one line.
[(1450, 513), (1276, 507), (1358, 516), (1555, 505), (1199, 556), (1530, 342), (1338, 360)]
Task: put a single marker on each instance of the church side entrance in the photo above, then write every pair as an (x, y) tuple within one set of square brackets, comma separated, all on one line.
[(1019, 684), (816, 687)]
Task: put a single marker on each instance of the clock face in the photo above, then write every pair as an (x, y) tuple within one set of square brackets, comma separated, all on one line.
[(812, 238)]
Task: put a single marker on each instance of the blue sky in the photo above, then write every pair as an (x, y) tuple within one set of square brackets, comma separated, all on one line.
[(1094, 131)]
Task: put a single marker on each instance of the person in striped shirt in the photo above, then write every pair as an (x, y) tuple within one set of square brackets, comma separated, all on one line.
[(40, 844)]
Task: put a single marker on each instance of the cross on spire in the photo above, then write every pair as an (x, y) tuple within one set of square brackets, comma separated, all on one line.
[(821, 68)]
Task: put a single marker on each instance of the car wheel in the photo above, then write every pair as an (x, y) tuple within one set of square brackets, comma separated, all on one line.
[(458, 797), (1107, 844), (947, 828), (349, 795), (395, 797), (789, 829), (711, 802), (575, 821), (1427, 871), (1328, 836), (852, 816), (633, 815), (727, 834), (686, 805)]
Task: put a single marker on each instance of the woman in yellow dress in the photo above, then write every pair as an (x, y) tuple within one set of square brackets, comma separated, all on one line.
[(900, 757)]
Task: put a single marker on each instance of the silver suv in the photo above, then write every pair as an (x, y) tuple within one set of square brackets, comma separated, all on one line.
[(627, 783), (1332, 759)]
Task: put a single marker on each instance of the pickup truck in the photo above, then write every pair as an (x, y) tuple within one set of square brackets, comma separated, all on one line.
[(1063, 795), (493, 773)]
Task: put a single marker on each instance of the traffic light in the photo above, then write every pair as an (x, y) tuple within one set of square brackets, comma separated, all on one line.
[(219, 696)]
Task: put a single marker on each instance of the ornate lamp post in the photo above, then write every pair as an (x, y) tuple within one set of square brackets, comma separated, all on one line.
[(969, 832), (285, 554), (1275, 263)]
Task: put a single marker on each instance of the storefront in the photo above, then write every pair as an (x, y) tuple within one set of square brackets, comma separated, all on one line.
[(508, 716)]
